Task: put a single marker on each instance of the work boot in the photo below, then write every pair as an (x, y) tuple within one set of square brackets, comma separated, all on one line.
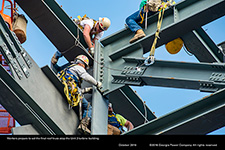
[(83, 126), (138, 35), (54, 60)]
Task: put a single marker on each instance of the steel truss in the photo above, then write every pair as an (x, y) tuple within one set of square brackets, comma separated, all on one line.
[(117, 65)]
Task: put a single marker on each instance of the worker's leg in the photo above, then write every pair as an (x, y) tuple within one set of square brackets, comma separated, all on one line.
[(83, 126), (85, 108), (55, 67), (132, 21)]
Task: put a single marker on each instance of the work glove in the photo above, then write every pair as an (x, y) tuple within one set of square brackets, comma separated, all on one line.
[(99, 84), (87, 90), (91, 51)]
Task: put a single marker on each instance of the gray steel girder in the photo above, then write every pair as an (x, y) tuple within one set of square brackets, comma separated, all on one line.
[(202, 46), (199, 76), (42, 105), (199, 118), (57, 26)]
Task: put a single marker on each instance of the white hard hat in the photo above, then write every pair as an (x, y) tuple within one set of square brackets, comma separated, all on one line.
[(104, 23), (83, 58)]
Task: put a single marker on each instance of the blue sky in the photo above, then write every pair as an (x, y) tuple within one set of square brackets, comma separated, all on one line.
[(159, 100)]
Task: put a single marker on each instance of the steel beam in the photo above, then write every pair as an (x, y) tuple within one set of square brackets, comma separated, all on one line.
[(57, 26), (199, 76), (100, 103), (23, 112), (121, 94), (222, 47), (200, 117), (24, 130), (43, 105), (179, 20), (202, 46)]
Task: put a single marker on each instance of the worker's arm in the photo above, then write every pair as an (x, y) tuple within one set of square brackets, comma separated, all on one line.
[(86, 76), (97, 37), (93, 41), (129, 125), (86, 34), (82, 73)]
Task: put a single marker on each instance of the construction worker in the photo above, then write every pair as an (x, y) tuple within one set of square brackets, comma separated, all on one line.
[(93, 30), (77, 72), (147, 6), (116, 122)]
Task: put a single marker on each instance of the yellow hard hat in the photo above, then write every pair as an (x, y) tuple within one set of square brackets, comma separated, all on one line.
[(104, 23), (173, 47)]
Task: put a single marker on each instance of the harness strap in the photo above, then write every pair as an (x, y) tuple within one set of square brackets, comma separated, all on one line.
[(84, 18), (159, 24), (70, 87)]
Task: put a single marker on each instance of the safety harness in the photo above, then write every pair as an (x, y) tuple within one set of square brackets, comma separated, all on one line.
[(71, 84), (78, 21), (112, 120)]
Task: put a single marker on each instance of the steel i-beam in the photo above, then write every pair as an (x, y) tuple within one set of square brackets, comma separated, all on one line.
[(199, 76), (200, 117), (41, 103)]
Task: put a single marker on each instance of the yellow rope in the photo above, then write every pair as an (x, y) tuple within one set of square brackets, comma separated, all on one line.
[(159, 24)]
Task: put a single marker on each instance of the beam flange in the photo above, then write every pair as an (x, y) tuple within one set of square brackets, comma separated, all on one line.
[(196, 115)]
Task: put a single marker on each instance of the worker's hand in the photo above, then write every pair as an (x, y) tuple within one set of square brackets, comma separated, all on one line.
[(87, 90), (91, 51), (99, 84)]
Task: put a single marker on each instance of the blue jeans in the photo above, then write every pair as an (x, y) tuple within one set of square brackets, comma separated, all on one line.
[(85, 108), (56, 68), (133, 20)]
